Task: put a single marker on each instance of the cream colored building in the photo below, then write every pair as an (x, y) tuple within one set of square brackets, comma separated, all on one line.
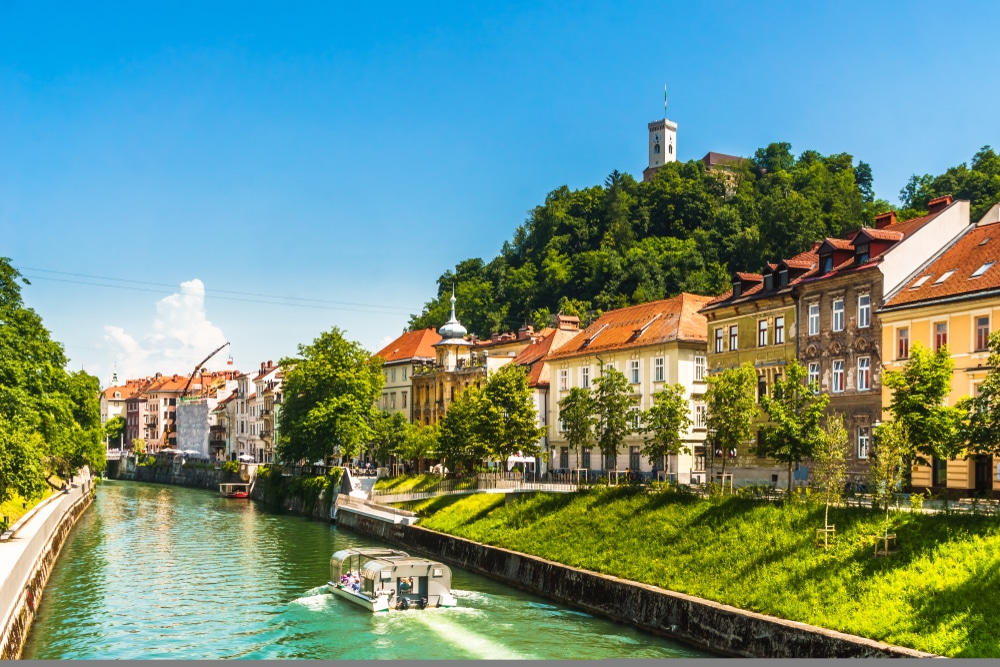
[(653, 345)]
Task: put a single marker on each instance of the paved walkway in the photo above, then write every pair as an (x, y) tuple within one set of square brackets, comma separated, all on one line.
[(19, 553)]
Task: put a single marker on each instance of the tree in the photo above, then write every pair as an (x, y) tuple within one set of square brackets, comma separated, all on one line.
[(460, 434), (919, 392), (982, 432), (509, 421), (830, 456), (731, 408), (389, 432), (139, 446), (114, 430), (330, 393), (665, 422), (419, 442), (793, 411), (22, 463), (577, 414), (613, 401), (891, 446)]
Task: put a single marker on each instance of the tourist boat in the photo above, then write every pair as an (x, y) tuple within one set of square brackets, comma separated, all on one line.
[(387, 579), (238, 490)]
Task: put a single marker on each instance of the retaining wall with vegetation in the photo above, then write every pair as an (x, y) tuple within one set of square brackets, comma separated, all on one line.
[(709, 625)]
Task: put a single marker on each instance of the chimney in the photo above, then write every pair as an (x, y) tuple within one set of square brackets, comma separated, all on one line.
[(568, 322), (262, 367), (525, 332), (883, 220), (270, 364), (935, 205)]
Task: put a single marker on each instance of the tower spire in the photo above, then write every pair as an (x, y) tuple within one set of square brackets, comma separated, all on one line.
[(664, 100)]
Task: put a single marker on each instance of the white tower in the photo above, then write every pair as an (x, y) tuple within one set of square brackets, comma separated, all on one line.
[(662, 146)]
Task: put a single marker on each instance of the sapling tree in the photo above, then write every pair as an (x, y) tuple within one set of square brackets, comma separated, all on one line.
[(665, 422), (577, 412), (830, 457), (613, 401), (887, 464), (731, 407)]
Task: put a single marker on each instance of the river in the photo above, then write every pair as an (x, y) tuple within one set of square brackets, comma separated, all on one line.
[(155, 571)]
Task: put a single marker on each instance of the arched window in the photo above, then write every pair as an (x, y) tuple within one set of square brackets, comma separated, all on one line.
[(670, 149), (656, 148)]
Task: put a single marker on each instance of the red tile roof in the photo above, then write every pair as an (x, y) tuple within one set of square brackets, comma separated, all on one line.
[(880, 234), (533, 356), (638, 326), (976, 247), (411, 345)]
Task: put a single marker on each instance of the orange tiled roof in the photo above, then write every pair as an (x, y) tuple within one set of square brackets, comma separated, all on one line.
[(411, 345), (533, 356), (637, 326), (126, 391), (807, 259), (975, 248)]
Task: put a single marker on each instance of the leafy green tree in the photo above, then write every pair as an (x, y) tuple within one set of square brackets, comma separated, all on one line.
[(731, 408), (665, 422), (330, 393), (22, 461), (980, 184), (114, 430), (793, 411), (830, 456), (919, 392), (982, 432), (139, 446), (461, 440), (419, 442), (509, 422), (613, 401), (389, 433), (577, 412)]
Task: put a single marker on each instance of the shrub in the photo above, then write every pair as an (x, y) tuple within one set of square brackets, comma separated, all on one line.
[(231, 466)]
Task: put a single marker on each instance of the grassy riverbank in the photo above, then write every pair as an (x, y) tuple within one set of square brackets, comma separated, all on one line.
[(939, 592)]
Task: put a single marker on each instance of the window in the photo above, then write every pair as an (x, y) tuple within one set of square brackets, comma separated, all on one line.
[(921, 280), (719, 335), (761, 333), (658, 369), (825, 264), (585, 458), (813, 319), (634, 418), (863, 441), (585, 377), (982, 269), (813, 374), (392, 401), (564, 457), (562, 423), (982, 333), (939, 472), (903, 343), (734, 334), (563, 379), (838, 315), (761, 388), (404, 373), (861, 254), (838, 376), (700, 415), (404, 397), (944, 277), (940, 335), (633, 371), (864, 373), (779, 330), (864, 311), (656, 148), (633, 458), (700, 367), (393, 374), (783, 278), (768, 282)]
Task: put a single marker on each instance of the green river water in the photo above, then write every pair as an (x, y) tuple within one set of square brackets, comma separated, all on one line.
[(156, 571)]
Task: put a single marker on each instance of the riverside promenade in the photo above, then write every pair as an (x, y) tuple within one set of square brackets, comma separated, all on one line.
[(27, 552)]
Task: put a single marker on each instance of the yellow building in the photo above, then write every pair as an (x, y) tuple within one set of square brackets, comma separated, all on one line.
[(953, 300)]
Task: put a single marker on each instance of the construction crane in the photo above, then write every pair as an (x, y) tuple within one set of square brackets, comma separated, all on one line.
[(198, 367)]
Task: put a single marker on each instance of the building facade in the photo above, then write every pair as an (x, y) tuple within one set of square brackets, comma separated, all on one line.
[(953, 299), (653, 345), (413, 348)]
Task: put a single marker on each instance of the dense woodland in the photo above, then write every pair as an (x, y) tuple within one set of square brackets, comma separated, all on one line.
[(626, 242)]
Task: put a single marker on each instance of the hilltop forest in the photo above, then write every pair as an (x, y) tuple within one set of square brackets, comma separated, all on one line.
[(624, 242)]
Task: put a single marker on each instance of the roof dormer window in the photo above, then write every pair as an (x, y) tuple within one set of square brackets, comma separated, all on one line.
[(861, 254), (768, 282), (982, 269), (783, 278), (825, 263), (737, 289), (920, 281)]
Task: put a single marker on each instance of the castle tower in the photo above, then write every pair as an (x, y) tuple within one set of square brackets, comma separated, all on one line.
[(662, 146)]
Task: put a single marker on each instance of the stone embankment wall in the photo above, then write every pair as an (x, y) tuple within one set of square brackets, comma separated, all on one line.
[(709, 625), (36, 560)]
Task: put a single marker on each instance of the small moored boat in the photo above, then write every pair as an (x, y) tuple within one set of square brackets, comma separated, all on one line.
[(388, 579), (237, 490)]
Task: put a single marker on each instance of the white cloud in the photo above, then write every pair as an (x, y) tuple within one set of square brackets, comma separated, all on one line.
[(181, 336)]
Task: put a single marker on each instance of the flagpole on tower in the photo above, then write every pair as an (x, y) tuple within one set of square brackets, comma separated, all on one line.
[(664, 100)]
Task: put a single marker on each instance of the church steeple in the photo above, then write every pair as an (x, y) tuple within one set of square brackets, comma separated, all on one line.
[(453, 328)]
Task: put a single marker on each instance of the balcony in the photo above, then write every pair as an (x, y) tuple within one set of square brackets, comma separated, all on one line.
[(266, 434)]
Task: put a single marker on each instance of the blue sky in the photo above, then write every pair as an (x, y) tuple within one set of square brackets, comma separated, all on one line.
[(341, 157)]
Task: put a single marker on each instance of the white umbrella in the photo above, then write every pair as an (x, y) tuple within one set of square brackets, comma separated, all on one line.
[(245, 457)]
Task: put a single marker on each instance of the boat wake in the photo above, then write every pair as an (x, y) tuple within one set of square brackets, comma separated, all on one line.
[(466, 640), (314, 598)]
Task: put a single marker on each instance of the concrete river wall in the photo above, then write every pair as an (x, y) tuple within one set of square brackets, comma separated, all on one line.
[(27, 555), (709, 625)]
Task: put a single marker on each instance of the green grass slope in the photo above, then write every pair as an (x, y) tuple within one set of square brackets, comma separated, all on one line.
[(940, 592)]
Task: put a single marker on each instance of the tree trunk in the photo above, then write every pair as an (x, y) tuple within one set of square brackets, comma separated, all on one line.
[(789, 479)]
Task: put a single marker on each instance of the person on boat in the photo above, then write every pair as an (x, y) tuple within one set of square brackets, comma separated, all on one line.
[(405, 586)]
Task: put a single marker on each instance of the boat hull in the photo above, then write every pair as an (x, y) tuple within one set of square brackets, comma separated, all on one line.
[(378, 604)]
